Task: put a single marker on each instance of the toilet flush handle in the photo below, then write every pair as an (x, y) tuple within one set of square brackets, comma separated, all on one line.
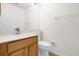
[(53, 42)]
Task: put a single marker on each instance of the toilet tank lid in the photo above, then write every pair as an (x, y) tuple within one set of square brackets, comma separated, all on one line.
[(44, 43)]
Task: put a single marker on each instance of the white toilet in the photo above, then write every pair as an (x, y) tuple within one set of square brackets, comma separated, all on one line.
[(44, 48)]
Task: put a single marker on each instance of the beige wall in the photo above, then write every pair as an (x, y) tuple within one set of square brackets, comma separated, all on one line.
[(32, 18), (64, 30)]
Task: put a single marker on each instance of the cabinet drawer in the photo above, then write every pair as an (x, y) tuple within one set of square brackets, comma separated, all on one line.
[(31, 40), (13, 46)]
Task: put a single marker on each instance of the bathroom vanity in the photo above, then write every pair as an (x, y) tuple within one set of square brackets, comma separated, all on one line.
[(19, 45)]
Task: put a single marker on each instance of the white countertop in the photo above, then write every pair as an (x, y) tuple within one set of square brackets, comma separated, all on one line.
[(8, 38)]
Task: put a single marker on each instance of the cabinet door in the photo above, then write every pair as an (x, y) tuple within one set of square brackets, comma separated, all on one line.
[(18, 53), (33, 51), (26, 53)]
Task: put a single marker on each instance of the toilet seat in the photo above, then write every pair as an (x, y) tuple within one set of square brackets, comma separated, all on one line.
[(44, 43)]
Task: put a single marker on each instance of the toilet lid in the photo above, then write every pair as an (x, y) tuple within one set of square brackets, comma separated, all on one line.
[(44, 43)]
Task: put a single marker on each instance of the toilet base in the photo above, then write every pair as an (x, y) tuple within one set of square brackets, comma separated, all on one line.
[(43, 53)]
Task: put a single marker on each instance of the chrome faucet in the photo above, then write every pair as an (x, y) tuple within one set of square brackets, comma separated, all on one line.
[(17, 30)]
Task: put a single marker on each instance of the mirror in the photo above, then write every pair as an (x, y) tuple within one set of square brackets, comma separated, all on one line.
[(24, 16)]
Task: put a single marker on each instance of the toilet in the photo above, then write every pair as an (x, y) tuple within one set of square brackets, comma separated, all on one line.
[(44, 47)]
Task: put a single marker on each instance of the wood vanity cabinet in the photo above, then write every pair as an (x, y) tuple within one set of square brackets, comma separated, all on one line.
[(21, 47)]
